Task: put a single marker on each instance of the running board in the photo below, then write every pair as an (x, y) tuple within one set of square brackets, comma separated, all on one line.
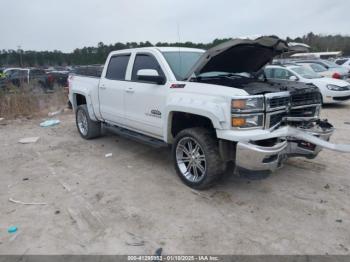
[(154, 142)]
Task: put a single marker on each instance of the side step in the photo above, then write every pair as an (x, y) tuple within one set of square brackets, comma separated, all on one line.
[(154, 142)]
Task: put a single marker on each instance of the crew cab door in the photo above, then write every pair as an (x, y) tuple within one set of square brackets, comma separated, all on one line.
[(145, 101), (111, 89)]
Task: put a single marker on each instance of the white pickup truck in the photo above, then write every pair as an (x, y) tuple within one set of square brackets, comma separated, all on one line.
[(214, 107)]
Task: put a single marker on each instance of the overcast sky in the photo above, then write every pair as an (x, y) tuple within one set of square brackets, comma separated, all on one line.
[(69, 24)]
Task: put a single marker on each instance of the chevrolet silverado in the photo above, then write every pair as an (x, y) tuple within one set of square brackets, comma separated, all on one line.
[(215, 108)]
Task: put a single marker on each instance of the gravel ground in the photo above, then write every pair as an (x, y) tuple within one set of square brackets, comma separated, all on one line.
[(133, 202)]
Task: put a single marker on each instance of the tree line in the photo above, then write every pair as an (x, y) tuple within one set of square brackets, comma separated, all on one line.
[(98, 54)]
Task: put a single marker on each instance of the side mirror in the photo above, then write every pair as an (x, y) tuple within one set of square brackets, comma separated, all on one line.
[(150, 75), (293, 78)]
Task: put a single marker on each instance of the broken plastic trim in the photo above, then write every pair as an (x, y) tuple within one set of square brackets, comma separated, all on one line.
[(289, 131)]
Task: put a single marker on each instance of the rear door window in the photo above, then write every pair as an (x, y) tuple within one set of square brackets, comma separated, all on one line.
[(145, 61), (117, 67)]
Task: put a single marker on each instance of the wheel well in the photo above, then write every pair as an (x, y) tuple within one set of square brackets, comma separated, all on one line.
[(181, 121), (80, 100)]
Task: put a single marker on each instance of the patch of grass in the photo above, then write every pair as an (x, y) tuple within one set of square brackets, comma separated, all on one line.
[(30, 100)]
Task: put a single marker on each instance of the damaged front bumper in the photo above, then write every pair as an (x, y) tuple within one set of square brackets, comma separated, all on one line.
[(269, 153)]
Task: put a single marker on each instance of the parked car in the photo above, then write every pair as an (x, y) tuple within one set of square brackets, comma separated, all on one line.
[(344, 62), (58, 77), (339, 71), (16, 76), (321, 70), (88, 70), (19, 76), (2, 74), (332, 90), (3, 80), (210, 106)]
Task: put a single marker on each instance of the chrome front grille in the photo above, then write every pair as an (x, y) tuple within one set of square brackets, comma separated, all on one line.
[(284, 104), (277, 102), (274, 119)]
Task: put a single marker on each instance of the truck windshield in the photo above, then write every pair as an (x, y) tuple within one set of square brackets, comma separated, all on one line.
[(181, 62)]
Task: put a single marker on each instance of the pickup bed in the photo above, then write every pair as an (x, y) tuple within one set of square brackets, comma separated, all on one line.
[(215, 108)]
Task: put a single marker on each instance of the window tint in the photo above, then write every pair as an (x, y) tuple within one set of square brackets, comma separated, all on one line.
[(143, 61), (117, 67)]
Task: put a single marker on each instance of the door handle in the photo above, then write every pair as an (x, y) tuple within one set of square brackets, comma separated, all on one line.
[(130, 90), (103, 86)]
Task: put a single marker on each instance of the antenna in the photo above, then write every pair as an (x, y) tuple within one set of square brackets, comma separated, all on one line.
[(179, 52)]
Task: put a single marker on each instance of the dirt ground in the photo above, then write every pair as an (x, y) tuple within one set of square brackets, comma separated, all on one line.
[(133, 202)]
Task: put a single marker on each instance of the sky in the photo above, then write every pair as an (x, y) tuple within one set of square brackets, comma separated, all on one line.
[(68, 24)]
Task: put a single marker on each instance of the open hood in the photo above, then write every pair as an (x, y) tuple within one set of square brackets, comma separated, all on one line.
[(239, 55)]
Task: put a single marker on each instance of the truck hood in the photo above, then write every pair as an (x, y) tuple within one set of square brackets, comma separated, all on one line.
[(239, 55)]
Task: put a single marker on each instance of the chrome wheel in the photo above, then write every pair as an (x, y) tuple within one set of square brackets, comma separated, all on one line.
[(190, 159), (82, 122)]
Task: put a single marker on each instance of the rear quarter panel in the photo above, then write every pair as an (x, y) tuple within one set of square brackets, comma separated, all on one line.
[(88, 87)]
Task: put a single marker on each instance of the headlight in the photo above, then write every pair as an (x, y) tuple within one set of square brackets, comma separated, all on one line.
[(247, 104), (247, 121), (337, 88)]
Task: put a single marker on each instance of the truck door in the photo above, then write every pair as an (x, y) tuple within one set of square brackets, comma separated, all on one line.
[(111, 89), (144, 101)]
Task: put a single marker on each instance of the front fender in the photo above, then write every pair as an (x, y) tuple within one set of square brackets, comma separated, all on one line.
[(201, 106)]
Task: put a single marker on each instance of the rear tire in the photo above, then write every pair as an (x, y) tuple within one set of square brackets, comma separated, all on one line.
[(87, 128), (196, 158)]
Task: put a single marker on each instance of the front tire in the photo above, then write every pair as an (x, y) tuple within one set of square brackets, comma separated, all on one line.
[(87, 128), (196, 157)]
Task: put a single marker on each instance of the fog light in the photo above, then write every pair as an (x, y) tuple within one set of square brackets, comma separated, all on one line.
[(238, 121), (247, 120)]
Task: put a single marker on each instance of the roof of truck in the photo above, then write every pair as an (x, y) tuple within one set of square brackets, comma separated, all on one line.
[(176, 49), (161, 49)]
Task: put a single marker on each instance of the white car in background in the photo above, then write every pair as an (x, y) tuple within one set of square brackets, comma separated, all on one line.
[(321, 70), (344, 62), (339, 72), (332, 90)]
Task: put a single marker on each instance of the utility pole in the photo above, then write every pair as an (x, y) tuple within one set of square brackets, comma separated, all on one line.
[(20, 55)]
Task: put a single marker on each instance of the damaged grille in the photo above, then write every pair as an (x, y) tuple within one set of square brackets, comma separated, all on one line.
[(275, 119), (305, 99), (279, 106), (304, 112)]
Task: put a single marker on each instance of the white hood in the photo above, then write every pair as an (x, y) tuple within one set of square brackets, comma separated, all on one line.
[(329, 81)]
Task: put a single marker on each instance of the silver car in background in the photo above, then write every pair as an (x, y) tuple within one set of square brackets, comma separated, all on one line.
[(337, 71)]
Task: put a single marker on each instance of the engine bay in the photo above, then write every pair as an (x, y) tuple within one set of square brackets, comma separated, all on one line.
[(255, 86), (285, 101)]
